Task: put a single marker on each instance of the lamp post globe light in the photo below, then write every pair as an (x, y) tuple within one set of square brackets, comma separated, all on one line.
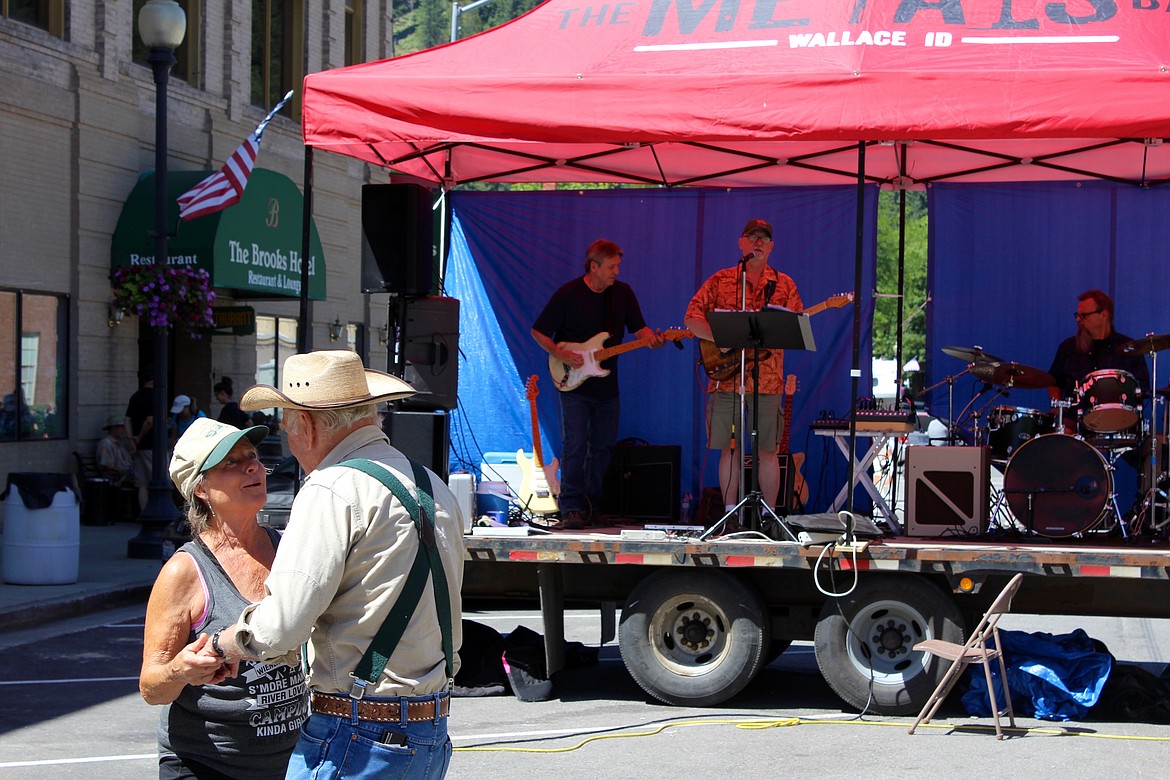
[(162, 26)]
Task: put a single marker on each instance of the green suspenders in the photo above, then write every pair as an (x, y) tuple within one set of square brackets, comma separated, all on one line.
[(426, 561)]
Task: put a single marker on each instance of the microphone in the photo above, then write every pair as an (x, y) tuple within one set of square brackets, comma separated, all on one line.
[(747, 257), (986, 387)]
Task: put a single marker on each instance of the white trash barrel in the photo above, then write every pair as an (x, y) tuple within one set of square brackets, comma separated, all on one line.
[(42, 544)]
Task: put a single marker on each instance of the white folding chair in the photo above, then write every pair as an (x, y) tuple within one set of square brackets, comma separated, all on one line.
[(981, 648)]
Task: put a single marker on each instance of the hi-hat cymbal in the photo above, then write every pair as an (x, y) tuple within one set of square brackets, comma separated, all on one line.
[(971, 355), (1013, 375), (1146, 344)]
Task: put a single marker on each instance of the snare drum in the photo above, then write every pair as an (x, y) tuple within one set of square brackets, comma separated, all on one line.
[(1110, 401), (1008, 427), (1057, 485)]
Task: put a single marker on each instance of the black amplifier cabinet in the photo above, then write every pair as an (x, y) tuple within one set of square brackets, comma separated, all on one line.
[(643, 482), (422, 436)]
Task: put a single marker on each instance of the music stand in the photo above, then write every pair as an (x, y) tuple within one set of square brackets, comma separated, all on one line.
[(756, 330)]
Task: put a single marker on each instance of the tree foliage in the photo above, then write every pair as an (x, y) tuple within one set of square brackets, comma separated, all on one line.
[(885, 319)]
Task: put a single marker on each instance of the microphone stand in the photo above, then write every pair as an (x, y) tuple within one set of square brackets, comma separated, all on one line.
[(739, 453)]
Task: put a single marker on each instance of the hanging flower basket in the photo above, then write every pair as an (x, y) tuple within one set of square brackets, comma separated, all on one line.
[(165, 295)]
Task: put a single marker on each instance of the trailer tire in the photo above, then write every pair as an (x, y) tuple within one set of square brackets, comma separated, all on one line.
[(694, 638), (865, 642)]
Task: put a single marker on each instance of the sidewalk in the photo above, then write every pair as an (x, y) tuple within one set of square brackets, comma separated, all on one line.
[(106, 579)]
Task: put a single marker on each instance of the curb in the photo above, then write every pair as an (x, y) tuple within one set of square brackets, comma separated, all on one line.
[(38, 614)]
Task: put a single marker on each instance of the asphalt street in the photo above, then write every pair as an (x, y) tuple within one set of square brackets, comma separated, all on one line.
[(69, 707)]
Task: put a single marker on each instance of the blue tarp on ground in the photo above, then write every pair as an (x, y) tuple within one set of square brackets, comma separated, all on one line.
[(1052, 677)]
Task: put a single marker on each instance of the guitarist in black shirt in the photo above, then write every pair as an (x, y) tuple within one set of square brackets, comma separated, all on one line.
[(591, 304)]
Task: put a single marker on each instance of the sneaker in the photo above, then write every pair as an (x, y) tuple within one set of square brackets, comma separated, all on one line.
[(573, 521)]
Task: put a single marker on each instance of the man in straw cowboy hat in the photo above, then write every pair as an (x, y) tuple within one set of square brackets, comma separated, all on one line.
[(349, 555)]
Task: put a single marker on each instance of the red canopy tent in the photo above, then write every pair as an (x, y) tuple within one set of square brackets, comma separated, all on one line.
[(764, 92)]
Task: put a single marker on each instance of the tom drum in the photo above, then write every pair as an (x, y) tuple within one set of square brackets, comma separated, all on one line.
[(1057, 485), (1110, 400), (1008, 427)]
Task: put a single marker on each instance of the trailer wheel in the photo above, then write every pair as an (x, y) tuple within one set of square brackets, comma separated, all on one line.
[(693, 638), (865, 642)]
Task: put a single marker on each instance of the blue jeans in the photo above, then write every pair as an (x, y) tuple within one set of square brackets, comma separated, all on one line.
[(589, 427), (332, 747)]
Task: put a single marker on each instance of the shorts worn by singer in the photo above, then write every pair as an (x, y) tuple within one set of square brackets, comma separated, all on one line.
[(723, 411), (332, 746)]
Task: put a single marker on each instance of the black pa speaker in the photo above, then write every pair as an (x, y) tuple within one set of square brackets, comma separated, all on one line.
[(947, 490), (643, 482), (397, 239), (431, 350), (422, 436)]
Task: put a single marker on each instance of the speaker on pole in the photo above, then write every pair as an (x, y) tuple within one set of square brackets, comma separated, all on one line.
[(397, 239), (430, 346)]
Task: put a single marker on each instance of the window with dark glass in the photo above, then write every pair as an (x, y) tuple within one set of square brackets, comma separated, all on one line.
[(277, 51), (49, 15), (353, 32), (276, 341), (34, 365)]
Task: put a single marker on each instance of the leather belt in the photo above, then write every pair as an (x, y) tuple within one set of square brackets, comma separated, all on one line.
[(381, 711)]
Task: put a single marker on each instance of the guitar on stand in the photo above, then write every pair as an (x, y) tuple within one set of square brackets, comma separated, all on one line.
[(723, 364), (539, 485), (795, 459), (593, 351)]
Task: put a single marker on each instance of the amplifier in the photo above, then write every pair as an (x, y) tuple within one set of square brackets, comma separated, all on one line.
[(947, 490), (643, 482)]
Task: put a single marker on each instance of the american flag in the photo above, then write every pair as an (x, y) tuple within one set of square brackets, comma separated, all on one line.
[(225, 187)]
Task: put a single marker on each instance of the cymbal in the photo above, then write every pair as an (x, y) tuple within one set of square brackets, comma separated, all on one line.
[(1147, 343), (1013, 375), (972, 355)]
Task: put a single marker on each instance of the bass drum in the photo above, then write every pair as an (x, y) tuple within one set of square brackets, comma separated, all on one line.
[(1057, 485)]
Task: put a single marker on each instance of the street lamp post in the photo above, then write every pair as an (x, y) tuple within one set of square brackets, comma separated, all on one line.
[(162, 26)]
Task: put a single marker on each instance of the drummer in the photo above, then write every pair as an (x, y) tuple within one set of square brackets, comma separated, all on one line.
[(1095, 346)]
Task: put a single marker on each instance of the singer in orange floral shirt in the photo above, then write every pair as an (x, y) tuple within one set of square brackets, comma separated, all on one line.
[(722, 291)]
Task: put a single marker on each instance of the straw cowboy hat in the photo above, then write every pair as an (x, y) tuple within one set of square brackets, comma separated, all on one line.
[(331, 379)]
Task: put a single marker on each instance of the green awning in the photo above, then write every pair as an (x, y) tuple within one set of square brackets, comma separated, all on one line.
[(253, 247)]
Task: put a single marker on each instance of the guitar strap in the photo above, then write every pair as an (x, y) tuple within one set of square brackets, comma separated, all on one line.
[(612, 326)]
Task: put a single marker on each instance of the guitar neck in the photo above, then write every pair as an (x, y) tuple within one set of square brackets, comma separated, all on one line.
[(608, 352), (537, 455)]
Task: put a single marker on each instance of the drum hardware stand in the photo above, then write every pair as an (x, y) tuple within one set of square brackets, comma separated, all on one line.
[(949, 381)]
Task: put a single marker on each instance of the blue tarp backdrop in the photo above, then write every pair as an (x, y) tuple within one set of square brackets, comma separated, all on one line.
[(1008, 261), (510, 251)]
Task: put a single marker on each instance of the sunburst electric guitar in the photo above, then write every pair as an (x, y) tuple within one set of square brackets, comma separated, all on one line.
[(723, 364), (566, 378), (539, 486), (795, 459)]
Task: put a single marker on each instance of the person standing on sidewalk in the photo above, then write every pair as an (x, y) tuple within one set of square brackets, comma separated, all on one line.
[(365, 519), (139, 423)]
